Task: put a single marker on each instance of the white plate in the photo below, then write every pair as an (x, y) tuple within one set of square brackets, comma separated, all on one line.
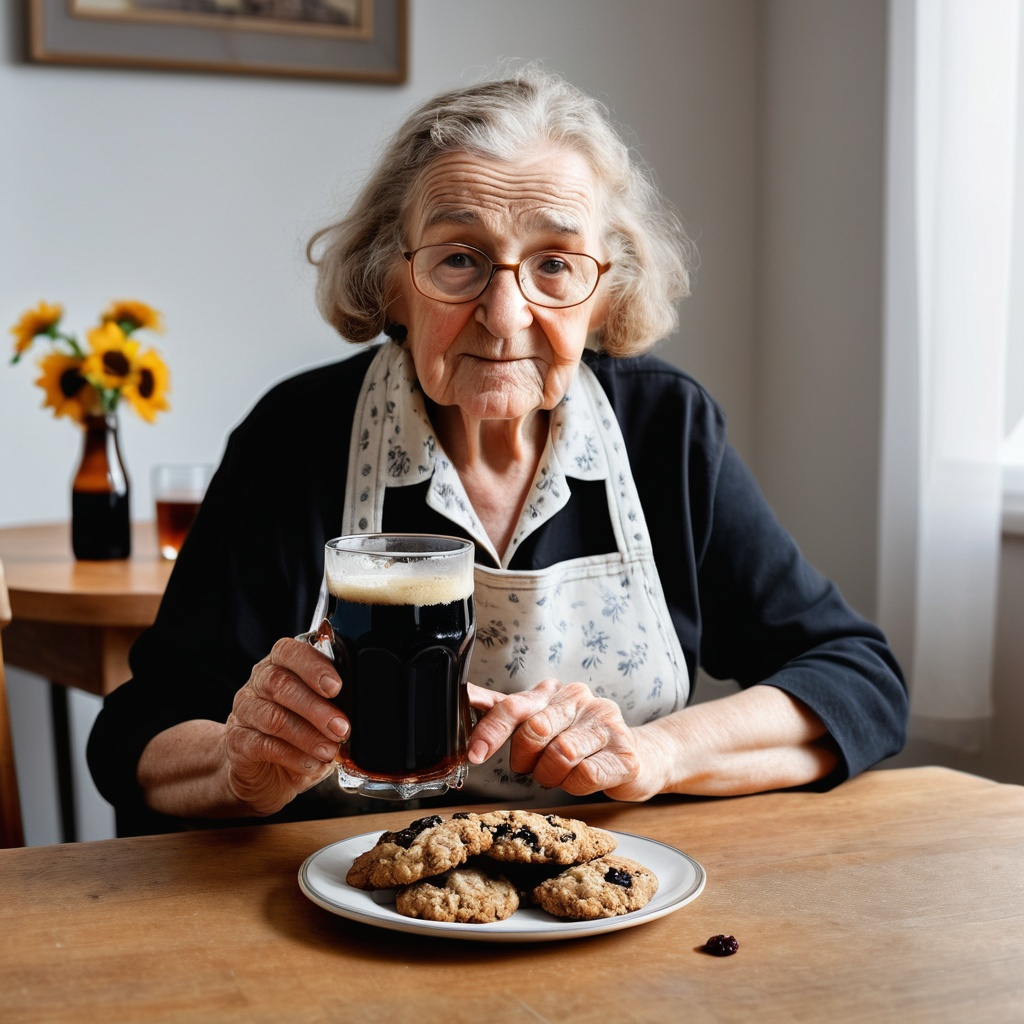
[(322, 878)]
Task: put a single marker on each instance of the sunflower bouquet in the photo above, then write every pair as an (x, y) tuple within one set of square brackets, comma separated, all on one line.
[(90, 380)]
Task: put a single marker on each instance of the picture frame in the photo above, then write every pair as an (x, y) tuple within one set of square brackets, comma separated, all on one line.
[(352, 40)]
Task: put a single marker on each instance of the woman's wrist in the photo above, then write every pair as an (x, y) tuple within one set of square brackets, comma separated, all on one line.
[(184, 772), (758, 739)]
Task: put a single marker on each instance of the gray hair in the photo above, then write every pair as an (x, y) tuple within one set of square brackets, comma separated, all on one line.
[(358, 257)]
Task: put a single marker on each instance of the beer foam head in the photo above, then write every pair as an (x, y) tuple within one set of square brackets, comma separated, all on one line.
[(398, 586), (364, 571)]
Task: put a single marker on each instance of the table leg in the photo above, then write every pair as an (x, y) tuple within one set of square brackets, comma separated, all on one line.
[(62, 755)]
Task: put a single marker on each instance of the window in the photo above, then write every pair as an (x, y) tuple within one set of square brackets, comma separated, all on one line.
[(1012, 454)]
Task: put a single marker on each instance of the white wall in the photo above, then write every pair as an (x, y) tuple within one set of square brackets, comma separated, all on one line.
[(819, 291), (197, 192)]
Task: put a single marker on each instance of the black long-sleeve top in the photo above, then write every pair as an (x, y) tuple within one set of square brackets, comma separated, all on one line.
[(745, 603)]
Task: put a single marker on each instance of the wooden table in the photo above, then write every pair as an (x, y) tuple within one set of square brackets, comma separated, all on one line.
[(897, 897), (74, 622)]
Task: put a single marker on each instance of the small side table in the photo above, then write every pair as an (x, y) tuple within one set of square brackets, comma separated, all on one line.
[(74, 622)]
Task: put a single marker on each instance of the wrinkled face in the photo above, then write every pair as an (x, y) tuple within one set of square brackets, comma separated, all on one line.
[(500, 356)]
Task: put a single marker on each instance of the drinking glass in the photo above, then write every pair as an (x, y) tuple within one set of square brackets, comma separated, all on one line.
[(178, 492), (396, 616)]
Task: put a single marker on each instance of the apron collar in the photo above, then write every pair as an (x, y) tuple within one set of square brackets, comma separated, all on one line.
[(573, 450)]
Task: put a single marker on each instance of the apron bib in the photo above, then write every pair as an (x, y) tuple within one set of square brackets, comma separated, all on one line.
[(601, 620)]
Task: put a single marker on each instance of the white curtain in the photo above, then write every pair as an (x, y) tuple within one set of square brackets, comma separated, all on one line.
[(954, 82)]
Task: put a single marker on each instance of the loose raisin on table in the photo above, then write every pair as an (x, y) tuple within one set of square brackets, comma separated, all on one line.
[(721, 945)]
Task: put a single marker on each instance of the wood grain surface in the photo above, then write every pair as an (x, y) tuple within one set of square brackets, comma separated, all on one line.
[(73, 622), (899, 896)]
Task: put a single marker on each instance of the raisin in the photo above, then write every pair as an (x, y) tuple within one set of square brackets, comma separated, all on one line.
[(523, 834), (619, 877), (527, 836), (405, 837), (721, 945), (422, 824)]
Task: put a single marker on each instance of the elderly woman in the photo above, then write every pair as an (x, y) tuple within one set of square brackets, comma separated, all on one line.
[(620, 541)]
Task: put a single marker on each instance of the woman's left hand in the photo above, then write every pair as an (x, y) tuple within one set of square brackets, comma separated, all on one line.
[(566, 737)]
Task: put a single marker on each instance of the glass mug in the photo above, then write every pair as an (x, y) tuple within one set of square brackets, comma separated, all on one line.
[(396, 616)]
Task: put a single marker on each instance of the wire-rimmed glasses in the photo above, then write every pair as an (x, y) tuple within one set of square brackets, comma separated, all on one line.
[(459, 273)]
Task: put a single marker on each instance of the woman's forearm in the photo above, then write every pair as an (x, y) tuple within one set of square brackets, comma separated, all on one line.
[(183, 772), (755, 740), (758, 739)]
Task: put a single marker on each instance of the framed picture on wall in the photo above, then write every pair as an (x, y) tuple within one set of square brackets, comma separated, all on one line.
[(357, 40)]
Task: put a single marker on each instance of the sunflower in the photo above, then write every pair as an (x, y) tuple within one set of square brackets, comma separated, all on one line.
[(88, 379), (130, 315), (41, 320), (68, 393), (148, 389), (111, 363)]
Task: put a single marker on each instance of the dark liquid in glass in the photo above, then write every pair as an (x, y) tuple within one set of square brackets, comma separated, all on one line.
[(404, 669), (100, 527), (173, 521)]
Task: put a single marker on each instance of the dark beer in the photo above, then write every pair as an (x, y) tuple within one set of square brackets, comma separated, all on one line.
[(402, 651), (178, 491), (173, 521), (100, 527)]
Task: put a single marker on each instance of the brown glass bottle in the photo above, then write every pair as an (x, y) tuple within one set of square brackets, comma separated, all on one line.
[(100, 493)]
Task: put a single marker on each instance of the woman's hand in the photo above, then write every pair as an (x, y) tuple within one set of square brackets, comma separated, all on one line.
[(283, 733), (757, 739), (565, 737)]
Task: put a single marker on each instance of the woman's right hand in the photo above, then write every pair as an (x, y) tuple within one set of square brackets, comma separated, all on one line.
[(283, 732)]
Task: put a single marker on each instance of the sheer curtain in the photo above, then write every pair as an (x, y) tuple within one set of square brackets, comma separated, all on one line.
[(954, 82)]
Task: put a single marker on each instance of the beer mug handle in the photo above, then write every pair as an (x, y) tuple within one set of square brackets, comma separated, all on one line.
[(321, 638)]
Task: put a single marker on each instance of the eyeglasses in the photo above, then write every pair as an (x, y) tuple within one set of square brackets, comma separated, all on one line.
[(459, 273)]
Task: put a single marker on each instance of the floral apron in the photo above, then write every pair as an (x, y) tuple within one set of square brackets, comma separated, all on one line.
[(601, 620)]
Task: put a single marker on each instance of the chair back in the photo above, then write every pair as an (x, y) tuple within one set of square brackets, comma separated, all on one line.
[(11, 831)]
